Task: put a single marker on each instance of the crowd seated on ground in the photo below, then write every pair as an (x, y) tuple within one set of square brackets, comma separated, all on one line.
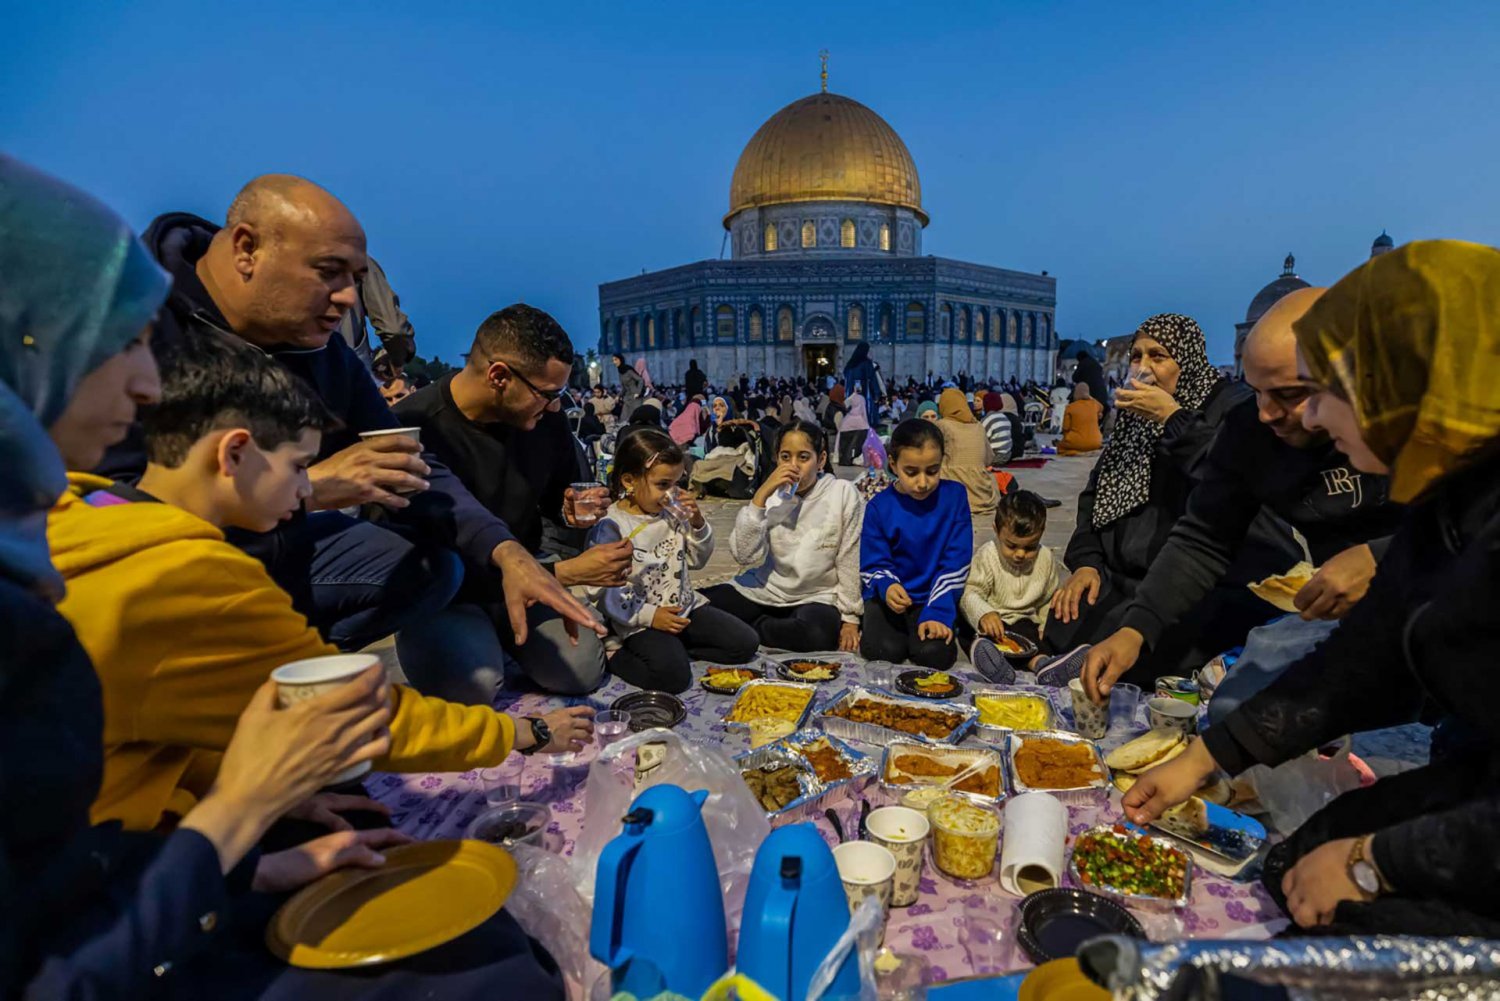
[(268, 506)]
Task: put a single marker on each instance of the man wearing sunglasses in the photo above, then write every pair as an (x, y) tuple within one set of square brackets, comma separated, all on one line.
[(498, 424)]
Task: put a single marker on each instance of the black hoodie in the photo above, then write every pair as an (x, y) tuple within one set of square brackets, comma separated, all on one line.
[(177, 240)]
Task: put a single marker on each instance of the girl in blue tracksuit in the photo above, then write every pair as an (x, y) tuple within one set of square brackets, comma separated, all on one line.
[(914, 554)]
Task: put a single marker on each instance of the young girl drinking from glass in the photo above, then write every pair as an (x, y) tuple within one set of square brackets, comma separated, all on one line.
[(799, 535), (663, 623), (914, 554)]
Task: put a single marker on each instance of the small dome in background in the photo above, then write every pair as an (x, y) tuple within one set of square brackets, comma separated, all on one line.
[(1382, 243), (1272, 293)]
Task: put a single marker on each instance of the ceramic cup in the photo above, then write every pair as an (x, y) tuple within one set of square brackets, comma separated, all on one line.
[(304, 679), (901, 832), (867, 870), (1173, 714), (1092, 720)]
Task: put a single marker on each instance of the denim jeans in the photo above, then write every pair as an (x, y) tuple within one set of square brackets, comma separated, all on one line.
[(1269, 650)]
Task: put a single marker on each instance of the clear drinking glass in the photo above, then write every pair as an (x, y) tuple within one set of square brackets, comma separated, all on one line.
[(880, 674), (610, 725), (502, 783), (675, 513)]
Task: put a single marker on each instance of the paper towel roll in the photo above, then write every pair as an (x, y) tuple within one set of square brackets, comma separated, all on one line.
[(1036, 830)]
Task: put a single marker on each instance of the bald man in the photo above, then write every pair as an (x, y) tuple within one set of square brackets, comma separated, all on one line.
[(281, 274), (1262, 458)]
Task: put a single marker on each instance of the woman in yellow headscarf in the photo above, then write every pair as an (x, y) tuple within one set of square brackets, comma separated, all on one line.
[(1403, 360), (966, 452)]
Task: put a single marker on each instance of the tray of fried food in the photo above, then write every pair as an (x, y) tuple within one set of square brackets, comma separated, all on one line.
[(1055, 761), (906, 764), (778, 779), (1003, 708), (766, 699), (826, 764), (872, 717)]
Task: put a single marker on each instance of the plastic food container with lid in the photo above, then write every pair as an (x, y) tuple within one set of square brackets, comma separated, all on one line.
[(965, 836)]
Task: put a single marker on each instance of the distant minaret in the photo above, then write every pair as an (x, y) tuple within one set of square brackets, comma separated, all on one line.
[(1383, 244), (823, 56)]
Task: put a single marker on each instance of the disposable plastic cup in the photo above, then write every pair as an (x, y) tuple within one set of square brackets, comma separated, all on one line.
[(590, 501), (502, 783), (611, 725)]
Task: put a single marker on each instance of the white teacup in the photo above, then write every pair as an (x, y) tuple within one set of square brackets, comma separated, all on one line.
[(303, 679)]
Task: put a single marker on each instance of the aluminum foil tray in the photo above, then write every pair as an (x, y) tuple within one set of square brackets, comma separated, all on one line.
[(1076, 794), (997, 734), (750, 686), (870, 733), (1136, 900), (815, 793), (958, 755)]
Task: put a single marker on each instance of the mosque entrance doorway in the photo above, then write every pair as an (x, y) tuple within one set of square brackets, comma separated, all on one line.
[(817, 359)]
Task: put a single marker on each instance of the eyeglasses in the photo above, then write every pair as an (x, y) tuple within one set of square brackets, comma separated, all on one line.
[(554, 397)]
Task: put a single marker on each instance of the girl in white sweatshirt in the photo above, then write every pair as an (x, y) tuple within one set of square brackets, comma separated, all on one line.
[(799, 539)]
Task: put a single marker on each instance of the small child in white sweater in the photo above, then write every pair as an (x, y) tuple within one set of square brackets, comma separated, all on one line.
[(1011, 583)]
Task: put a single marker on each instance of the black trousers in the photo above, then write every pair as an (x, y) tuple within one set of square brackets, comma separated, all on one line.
[(892, 637), (663, 662), (850, 444), (798, 628)]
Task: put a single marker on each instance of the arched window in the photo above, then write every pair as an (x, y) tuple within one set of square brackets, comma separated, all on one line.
[(724, 323), (784, 323), (979, 325), (916, 320), (1015, 336), (945, 323), (963, 324), (856, 323), (697, 324), (885, 322), (650, 331), (846, 233), (1028, 333), (633, 339), (619, 342), (809, 234), (1044, 337), (757, 326), (885, 236), (770, 236)]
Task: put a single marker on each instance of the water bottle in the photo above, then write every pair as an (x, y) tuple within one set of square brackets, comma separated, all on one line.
[(603, 466)]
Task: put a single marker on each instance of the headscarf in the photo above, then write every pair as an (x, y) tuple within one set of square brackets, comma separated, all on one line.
[(644, 372), (836, 394), (954, 407), (803, 410), (1412, 338), (647, 414), (77, 287), (1124, 469), (784, 412), (728, 406), (686, 425), (926, 407), (993, 403), (858, 418)]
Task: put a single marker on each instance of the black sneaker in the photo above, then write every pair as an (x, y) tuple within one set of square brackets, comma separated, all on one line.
[(1057, 672), (990, 662)]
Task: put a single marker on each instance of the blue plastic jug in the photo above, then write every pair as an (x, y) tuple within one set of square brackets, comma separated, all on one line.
[(658, 920), (795, 910)]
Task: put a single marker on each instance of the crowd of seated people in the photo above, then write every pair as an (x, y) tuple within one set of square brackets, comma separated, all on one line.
[(198, 491)]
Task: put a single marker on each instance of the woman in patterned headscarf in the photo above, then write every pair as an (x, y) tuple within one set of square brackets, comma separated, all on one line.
[(1170, 408), (1403, 359)]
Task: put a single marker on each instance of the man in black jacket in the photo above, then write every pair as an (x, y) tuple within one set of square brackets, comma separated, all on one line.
[(280, 275), (1262, 457), (497, 424)]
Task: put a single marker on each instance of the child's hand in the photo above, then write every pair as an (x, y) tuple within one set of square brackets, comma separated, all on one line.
[(780, 477), (896, 599), (690, 505), (991, 625), (933, 631), (668, 621), (849, 637)]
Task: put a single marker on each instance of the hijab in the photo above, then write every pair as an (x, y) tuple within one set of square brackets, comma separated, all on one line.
[(687, 425), (1412, 338), (784, 411), (644, 372), (954, 407), (646, 414), (1124, 469), (993, 403), (926, 407), (836, 394), (78, 288)]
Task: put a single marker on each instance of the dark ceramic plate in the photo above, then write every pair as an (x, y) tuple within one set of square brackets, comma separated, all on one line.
[(786, 671), (748, 673), (651, 709), (906, 682), (1054, 923)]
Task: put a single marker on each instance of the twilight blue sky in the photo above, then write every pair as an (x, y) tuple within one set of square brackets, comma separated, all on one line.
[(1152, 156)]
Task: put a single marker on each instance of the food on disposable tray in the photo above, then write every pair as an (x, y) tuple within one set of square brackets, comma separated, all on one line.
[(813, 670), (773, 787), (1042, 763), (1014, 712), (1124, 862), (729, 678), (1186, 820), (965, 837), (1148, 750), (780, 701), (929, 769), (1281, 589), (826, 760), (932, 723)]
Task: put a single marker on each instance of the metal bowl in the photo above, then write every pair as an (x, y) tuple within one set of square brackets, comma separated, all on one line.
[(651, 709)]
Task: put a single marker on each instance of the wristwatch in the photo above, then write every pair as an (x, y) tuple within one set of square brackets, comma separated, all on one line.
[(540, 732), (1363, 872)]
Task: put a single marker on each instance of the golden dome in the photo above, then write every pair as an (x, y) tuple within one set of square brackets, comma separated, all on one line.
[(825, 148)]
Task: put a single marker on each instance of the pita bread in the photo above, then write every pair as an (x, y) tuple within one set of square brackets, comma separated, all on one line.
[(1147, 750), (1186, 820), (1282, 589)]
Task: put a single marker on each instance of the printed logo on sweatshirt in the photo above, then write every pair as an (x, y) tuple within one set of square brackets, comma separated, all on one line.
[(1344, 481)]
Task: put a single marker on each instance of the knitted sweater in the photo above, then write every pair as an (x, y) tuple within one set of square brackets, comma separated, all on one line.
[(925, 546), (659, 573), (993, 587), (808, 552)]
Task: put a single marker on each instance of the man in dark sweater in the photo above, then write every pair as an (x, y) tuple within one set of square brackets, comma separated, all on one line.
[(280, 275), (1262, 457), (497, 424)]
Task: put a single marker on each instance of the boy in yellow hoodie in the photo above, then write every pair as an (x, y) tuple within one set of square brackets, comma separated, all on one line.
[(182, 626)]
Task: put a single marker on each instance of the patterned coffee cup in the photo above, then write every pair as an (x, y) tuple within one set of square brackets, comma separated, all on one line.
[(1092, 720), (867, 870), (902, 832)]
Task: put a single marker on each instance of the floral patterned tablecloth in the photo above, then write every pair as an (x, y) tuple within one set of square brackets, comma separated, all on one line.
[(443, 806)]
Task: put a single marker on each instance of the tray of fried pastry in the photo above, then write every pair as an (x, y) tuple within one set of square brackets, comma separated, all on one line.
[(906, 765)]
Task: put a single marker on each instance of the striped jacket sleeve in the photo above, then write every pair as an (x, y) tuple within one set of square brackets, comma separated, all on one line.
[(877, 567), (953, 560)]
